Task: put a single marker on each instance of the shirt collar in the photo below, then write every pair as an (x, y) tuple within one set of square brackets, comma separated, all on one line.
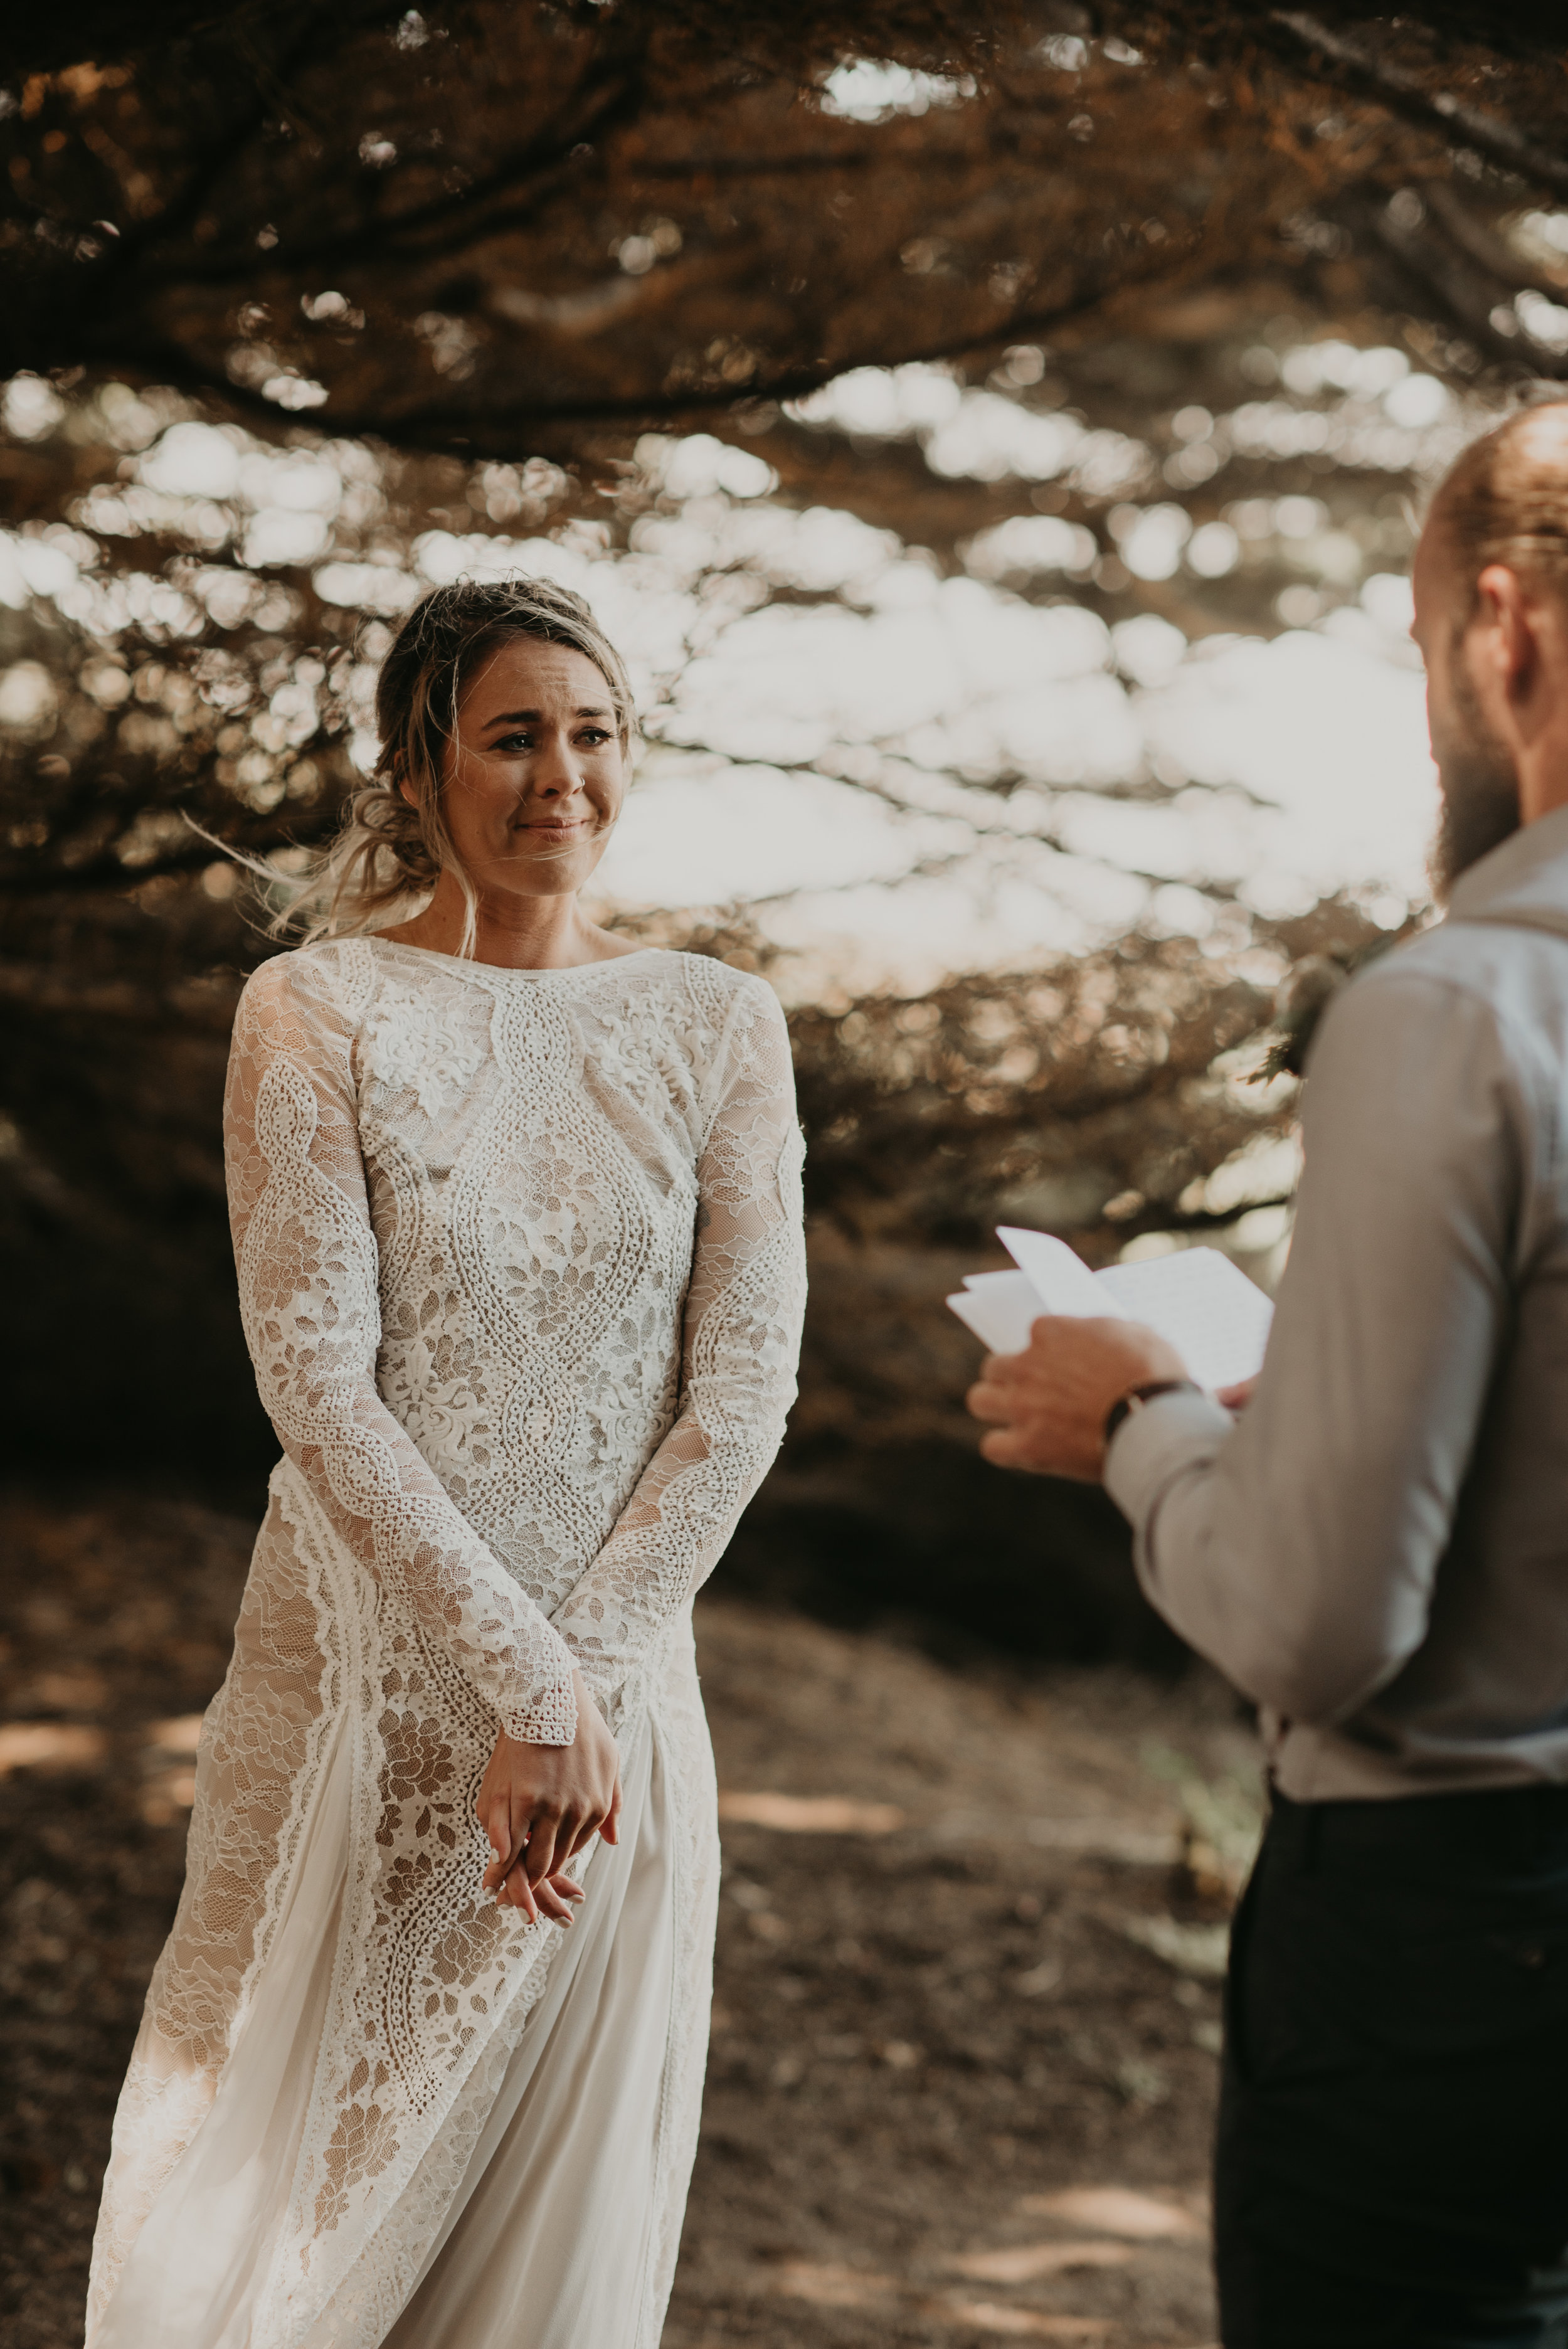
[(1530, 868)]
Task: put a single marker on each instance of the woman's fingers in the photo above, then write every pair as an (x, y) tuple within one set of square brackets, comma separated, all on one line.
[(516, 1892), (546, 1849), (572, 1831), (496, 1821), (604, 1824), (553, 1903), (540, 1806), (586, 1830), (536, 1851), (509, 1833), (554, 1900)]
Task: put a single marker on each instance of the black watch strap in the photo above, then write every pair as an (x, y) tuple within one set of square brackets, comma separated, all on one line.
[(1136, 1397)]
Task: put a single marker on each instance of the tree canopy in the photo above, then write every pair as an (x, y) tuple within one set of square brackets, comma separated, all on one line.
[(1097, 336), (492, 227)]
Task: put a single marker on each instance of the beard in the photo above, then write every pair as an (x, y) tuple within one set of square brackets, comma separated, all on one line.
[(1479, 787)]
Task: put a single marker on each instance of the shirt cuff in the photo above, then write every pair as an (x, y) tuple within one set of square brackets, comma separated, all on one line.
[(1153, 1446), (549, 1720)]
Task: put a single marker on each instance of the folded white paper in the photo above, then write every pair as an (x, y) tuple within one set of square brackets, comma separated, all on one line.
[(1202, 1304)]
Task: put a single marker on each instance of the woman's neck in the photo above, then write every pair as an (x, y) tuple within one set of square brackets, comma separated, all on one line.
[(517, 933)]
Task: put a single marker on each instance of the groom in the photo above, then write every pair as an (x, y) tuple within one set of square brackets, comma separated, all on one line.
[(1378, 1551)]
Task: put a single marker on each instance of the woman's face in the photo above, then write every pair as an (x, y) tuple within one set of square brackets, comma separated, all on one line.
[(535, 778)]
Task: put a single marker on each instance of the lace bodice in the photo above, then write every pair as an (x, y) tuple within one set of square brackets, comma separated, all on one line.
[(521, 1274)]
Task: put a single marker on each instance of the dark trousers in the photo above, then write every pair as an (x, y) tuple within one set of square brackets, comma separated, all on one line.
[(1392, 2163)]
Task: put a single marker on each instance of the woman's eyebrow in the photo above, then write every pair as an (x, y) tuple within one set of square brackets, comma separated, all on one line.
[(533, 717)]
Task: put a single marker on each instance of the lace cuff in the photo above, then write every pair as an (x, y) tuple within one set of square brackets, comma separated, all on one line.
[(549, 1720)]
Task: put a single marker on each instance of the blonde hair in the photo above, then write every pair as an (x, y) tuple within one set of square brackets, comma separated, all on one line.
[(1505, 500), (391, 847)]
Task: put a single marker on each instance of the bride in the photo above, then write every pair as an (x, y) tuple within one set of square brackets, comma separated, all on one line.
[(517, 1219)]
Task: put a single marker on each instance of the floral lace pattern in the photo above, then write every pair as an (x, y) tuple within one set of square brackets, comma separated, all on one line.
[(521, 1274)]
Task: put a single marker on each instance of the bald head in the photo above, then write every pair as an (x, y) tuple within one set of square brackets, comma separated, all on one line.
[(1492, 619), (1504, 500)]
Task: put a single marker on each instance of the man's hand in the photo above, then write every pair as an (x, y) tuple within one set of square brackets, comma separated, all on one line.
[(1047, 1406)]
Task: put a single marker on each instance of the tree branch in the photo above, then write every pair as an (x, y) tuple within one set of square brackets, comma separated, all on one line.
[(1405, 94)]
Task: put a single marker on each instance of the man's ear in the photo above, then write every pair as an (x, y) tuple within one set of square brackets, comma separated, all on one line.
[(1504, 652), (1503, 607)]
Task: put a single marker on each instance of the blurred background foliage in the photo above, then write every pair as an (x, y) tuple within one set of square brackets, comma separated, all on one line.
[(947, 407)]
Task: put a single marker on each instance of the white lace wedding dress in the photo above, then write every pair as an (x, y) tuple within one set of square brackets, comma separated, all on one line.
[(522, 1273)]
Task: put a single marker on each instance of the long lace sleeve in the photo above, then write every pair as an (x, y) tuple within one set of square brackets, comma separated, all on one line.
[(740, 1340), (307, 1264)]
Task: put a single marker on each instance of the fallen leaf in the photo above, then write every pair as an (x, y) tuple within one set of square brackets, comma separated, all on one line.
[(1136, 1841), (1023, 2323), (1200, 1949), (180, 1734), (1108, 1839), (1120, 2210), (811, 1814), (49, 1745), (1040, 1979), (1025, 2262), (72, 1691), (830, 2286)]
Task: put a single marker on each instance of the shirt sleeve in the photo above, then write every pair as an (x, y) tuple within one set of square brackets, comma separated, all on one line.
[(309, 1299), (740, 1340), (1299, 1550)]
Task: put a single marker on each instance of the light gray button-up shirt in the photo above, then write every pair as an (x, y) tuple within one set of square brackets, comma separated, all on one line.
[(1378, 1551)]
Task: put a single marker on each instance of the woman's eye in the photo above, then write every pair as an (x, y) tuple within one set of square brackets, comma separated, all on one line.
[(592, 737)]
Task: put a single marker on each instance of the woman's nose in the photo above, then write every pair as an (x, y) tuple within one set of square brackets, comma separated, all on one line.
[(555, 774)]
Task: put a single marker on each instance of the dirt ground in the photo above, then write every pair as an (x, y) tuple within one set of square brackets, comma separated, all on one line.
[(967, 2012)]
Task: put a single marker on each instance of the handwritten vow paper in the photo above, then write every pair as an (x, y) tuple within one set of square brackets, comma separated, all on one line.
[(1202, 1304)]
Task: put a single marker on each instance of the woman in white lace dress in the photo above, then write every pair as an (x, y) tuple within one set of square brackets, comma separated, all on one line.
[(517, 1221)]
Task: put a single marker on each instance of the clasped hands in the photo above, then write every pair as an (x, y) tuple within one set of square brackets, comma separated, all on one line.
[(540, 1806), (1045, 1408)]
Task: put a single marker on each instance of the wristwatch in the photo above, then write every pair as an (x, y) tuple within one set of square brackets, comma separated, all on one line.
[(1136, 1397)]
